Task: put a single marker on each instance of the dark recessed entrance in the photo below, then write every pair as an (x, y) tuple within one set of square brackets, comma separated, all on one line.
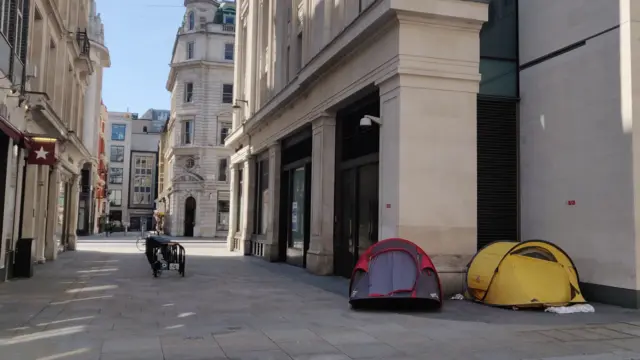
[(295, 192), (189, 216), (356, 201)]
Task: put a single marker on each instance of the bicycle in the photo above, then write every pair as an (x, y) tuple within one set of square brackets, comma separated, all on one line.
[(141, 243)]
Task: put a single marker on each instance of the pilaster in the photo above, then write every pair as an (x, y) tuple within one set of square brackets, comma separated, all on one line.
[(320, 253), (247, 206), (273, 227), (30, 199), (51, 246), (73, 213), (41, 213), (233, 206), (428, 179)]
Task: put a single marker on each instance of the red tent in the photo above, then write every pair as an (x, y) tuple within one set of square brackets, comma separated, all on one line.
[(395, 270)]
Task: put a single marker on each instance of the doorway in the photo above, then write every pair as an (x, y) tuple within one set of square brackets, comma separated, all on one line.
[(295, 198), (356, 186), (189, 216), (298, 207), (359, 214)]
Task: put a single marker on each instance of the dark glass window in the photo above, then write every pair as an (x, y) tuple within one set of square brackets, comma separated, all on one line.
[(118, 132), (228, 51), (227, 93), (117, 153), (499, 50)]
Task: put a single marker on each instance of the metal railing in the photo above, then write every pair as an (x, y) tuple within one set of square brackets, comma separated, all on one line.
[(83, 41)]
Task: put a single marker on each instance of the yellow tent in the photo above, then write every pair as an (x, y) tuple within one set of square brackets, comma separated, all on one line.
[(532, 273)]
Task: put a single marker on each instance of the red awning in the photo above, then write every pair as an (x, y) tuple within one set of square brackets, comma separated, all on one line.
[(13, 132)]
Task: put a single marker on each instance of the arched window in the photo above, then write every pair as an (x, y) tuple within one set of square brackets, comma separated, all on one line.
[(192, 20)]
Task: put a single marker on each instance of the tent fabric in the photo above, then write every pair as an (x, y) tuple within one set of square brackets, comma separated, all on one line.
[(532, 273), (395, 269)]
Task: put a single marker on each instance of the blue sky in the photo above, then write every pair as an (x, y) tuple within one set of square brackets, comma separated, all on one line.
[(140, 40)]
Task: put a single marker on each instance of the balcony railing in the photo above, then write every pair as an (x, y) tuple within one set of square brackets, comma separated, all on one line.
[(83, 41), (228, 28)]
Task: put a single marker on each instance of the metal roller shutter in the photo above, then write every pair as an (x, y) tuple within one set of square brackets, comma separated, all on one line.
[(497, 144)]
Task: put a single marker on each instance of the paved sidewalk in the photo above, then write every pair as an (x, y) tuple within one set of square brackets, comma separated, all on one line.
[(102, 302)]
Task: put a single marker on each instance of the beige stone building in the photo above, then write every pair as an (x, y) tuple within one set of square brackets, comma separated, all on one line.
[(194, 184), (42, 193), (316, 176)]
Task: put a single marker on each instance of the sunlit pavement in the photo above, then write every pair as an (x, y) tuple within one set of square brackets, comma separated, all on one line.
[(102, 302)]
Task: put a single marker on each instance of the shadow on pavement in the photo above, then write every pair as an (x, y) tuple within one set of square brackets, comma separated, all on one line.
[(107, 291)]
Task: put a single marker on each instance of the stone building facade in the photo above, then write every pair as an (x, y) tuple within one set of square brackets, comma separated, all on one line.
[(355, 122), (56, 63), (194, 185)]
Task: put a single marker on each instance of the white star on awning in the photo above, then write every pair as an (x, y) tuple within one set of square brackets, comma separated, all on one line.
[(41, 154)]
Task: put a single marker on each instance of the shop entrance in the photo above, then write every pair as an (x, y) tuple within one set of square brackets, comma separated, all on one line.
[(356, 201), (295, 191)]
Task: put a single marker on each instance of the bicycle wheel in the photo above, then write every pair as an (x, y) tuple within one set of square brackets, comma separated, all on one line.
[(140, 244)]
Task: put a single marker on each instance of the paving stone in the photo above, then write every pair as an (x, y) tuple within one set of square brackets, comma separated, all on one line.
[(306, 347), (323, 357), (132, 345), (260, 355), (291, 335), (348, 337), (364, 350)]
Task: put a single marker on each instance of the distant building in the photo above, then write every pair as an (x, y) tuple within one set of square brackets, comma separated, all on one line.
[(133, 148), (194, 186)]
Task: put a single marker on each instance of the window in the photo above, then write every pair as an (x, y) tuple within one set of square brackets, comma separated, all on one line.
[(229, 19), (4, 18), (192, 20), (117, 153), (144, 129), (222, 169), (225, 129), (299, 53), (143, 178), (118, 132), (115, 198), (19, 20), (227, 93), (223, 215), (115, 175), (188, 92), (187, 132), (190, 49), (228, 51), (262, 196)]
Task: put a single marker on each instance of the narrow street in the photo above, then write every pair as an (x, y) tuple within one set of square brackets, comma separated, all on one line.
[(102, 302)]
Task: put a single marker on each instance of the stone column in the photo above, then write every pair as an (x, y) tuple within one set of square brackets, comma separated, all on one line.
[(30, 203), (320, 253), (248, 204), (427, 188), (271, 251), (41, 213), (50, 245), (233, 196), (73, 213)]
